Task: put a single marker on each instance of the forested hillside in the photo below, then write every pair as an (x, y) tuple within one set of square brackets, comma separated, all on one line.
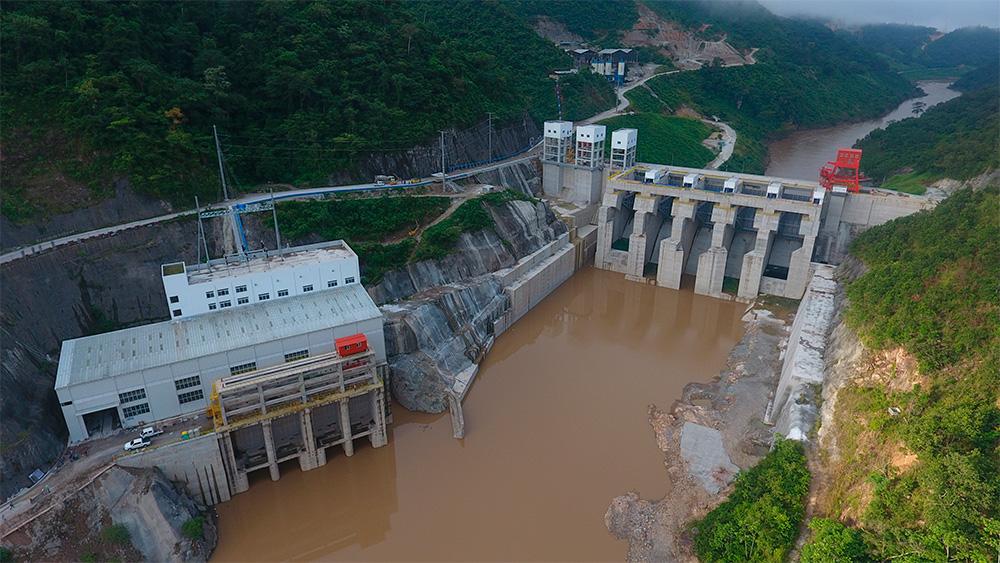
[(917, 470), (806, 76), (921, 52), (102, 89), (956, 139)]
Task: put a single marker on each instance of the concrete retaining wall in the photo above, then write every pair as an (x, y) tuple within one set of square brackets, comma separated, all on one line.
[(534, 278), (195, 464), (795, 405)]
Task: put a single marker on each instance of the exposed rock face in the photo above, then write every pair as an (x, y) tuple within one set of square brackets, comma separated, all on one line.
[(445, 323), (61, 294), (148, 505), (124, 207)]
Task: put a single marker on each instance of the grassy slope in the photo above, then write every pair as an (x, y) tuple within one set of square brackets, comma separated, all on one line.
[(667, 139), (931, 288)]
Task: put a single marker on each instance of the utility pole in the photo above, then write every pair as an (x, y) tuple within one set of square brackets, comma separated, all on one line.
[(442, 157), (202, 240), (222, 175), (277, 233), (490, 120)]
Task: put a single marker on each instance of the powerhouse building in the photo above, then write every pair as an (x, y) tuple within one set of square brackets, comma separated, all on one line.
[(297, 303)]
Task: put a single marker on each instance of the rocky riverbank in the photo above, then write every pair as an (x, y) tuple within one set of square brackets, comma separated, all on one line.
[(124, 514), (714, 431)]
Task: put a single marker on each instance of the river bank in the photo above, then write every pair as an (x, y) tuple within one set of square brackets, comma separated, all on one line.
[(801, 154), (713, 431), (556, 427)]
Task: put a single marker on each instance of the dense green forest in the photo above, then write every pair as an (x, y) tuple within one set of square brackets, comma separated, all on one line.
[(101, 89), (956, 139), (918, 52), (930, 287), (597, 22), (806, 76)]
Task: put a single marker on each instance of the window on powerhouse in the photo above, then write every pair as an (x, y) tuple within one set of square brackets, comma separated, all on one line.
[(349, 280), (242, 300), (209, 295), (282, 293), (263, 296), (130, 396), (224, 304), (224, 291), (331, 283), (135, 410), (190, 396), (242, 368), (175, 299), (211, 306), (297, 355), (307, 288), (177, 312), (241, 289), (187, 382)]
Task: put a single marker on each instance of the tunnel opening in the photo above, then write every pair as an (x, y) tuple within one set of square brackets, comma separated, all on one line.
[(326, 425), (744, 240), (102, 423), (623, 222), (248, 447), (786, 241), (702, 240), (286, 432)]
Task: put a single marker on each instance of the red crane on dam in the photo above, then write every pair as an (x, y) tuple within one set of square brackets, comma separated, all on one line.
[(844, 172)]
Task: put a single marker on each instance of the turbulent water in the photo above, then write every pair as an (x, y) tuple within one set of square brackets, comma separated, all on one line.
[(801, 154), (555, 428)]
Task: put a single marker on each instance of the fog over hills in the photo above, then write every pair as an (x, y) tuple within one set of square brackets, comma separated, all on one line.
[(945, 16)]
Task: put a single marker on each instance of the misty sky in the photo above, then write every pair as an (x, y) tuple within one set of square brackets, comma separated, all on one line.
[(942, 14)]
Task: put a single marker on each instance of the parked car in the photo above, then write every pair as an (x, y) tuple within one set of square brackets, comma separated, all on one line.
[(149, 432), (137, 444)]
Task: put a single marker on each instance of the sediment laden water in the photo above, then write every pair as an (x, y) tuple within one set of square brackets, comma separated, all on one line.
[(556, 427), (801, 154)]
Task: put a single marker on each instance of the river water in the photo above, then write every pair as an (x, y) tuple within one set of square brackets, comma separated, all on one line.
[(801, 154), (555, 428)]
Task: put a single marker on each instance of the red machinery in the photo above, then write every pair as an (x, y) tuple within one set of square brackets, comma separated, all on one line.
[(843, 172), (351, 345)]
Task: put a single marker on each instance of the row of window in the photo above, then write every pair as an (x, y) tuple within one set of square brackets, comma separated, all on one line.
[(185, 383), (298, 355), (242, 368), (135, 410), (131, 396), (262, 296), (190, 396)]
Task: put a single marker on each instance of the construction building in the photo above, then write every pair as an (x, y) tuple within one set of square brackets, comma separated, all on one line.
[(159, 371)]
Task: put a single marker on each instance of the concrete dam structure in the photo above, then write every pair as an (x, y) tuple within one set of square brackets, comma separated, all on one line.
[(738, 235)]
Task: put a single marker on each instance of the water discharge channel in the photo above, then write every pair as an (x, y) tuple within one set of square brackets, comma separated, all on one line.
[(800, 155), (556, 428)]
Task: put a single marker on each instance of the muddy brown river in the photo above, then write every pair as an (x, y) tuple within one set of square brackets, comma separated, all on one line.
[(801, 154), (555, 428)]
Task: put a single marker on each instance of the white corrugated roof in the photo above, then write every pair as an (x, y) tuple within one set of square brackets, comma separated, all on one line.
[(149, 346)]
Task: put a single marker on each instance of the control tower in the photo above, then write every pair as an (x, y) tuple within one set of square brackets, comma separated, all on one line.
[(623, 142)]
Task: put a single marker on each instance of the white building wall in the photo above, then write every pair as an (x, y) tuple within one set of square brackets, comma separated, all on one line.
[(161, 392)]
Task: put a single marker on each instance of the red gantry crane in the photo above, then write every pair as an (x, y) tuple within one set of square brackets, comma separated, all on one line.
[(844, 172)]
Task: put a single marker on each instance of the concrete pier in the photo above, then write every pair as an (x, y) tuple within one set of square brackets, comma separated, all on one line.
[(646, 224), (712, 264), (674, 251)]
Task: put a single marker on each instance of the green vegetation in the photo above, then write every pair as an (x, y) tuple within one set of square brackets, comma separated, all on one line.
[(381, 230), (832, 541), (760, 519), (115, 534), (194, 528), (471, 216), (956, 139), (982, 77), (358, 219), (669, 139), (585, 94), (806, 76), (95, 91), (931, 288), (5, 555), (909, 183), (598, 21), (910, 50)]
